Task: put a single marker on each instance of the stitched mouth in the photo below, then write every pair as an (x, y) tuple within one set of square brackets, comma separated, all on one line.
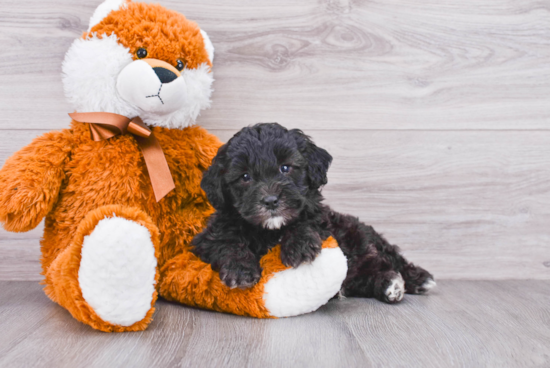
[(157, 95)]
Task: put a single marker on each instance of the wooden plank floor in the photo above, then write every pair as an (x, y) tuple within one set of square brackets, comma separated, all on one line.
[(462, 324)]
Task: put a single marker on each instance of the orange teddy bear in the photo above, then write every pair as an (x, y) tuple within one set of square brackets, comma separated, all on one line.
[(120, 189)]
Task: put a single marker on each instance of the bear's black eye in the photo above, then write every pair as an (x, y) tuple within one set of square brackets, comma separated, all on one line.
[(246, 177), (285, 169), (141, 53), (180, 65)]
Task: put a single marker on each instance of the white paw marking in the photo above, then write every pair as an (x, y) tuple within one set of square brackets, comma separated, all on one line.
[(117, 271), (396, 290), (428, 285), (341, 295)]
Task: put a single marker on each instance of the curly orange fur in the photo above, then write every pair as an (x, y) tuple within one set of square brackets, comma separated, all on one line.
[(190, 281), (99, 179), (74, 182), (66, 176), (31, 179), (61, 281), (165, 34)]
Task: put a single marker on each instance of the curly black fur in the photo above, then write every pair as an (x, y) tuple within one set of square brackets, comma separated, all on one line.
[(265, 186)]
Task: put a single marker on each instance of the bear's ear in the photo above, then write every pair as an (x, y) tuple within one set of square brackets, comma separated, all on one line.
[(104, 9), (213, 182), (318, 159), (208, 46)]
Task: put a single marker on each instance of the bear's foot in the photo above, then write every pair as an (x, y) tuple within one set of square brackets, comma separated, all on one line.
[(117, 271), (112, 264), (307, 287), (281, 292)]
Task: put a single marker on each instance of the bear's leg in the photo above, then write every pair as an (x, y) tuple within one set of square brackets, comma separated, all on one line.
[(107, 277), (281, 292)]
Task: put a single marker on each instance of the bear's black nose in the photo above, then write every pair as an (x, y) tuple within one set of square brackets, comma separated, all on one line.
[(271, 202), (165, 75)]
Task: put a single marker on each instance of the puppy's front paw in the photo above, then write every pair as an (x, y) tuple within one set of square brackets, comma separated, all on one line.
[(300, 248), (241, 275)]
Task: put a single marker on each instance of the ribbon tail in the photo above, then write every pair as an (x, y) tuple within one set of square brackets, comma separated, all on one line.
[(157, 166)]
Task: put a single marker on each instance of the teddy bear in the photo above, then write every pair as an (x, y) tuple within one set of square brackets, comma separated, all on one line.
[(120, 189)]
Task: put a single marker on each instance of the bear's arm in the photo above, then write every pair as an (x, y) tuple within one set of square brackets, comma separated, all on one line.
[(208, 148), (31, 179), (189, 153)]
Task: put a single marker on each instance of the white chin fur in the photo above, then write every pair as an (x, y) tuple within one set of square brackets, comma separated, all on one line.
[(274, 222), (139, 85), (90, 72)]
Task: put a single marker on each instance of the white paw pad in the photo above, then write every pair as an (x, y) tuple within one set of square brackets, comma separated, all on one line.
[(396, 289), (117, 271)]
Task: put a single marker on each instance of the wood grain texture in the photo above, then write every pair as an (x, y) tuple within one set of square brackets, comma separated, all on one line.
[(467, 205), (436, 112), (336, 64), (463, 324)]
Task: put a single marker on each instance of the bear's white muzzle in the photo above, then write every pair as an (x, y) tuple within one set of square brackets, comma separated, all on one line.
[(153, 86)]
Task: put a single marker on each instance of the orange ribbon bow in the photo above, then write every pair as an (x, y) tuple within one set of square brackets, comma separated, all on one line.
[(105, 125)]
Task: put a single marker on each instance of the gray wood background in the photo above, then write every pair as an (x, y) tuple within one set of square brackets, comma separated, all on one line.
[(437, 113)]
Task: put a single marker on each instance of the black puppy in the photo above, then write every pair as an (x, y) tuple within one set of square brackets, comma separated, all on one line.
[(265, 186)]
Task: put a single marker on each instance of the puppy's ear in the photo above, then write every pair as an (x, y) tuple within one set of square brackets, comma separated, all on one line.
[(213, 182), (318, 159)]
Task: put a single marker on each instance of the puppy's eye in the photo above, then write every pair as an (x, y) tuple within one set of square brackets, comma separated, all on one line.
[(246, 177), (180, 65), (141, 53), (285, 169)]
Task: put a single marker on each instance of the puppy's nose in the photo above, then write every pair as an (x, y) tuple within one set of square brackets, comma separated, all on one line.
[(271, 202), (165, 75)]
